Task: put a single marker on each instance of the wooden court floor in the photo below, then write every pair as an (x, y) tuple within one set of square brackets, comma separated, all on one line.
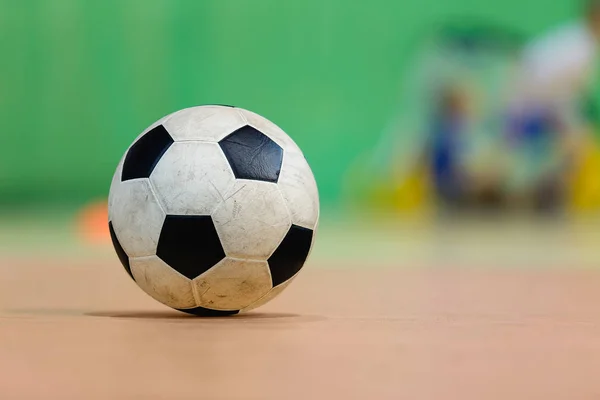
[(426, 326)]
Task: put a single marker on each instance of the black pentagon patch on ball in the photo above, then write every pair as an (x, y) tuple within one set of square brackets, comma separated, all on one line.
[(189, 244), (143, 156), (252, 155), (119, 249), (291, 254), (206, 312)]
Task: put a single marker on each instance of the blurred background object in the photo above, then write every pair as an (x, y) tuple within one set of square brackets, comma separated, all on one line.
[(493, 118), (399, 107)]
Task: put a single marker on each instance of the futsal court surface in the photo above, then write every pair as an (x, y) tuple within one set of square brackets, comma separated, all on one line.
[(402, 309)]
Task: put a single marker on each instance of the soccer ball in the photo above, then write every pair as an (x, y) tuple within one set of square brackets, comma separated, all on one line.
[(213, 210)]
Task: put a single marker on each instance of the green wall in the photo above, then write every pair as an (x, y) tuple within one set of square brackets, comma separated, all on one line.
[(80, 79)]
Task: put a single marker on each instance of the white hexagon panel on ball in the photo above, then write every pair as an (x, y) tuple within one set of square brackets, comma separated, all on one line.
[(213, 210)]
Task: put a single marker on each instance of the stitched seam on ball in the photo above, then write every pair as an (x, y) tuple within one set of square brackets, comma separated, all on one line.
[(241, 114), (195, 293), (270, 291), (291, 219), (212, 141), (156, 198)]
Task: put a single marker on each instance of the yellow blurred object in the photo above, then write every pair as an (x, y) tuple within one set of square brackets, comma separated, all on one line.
[(389, 188), (585, 188), (406, 193), (413, 193)]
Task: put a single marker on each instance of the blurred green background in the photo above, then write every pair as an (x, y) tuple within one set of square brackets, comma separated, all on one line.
[(80, 79)]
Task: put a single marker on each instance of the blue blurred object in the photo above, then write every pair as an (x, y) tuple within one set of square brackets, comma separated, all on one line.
[(446, 145)]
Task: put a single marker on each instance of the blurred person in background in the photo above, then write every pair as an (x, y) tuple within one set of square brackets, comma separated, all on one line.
[(547, 125), (466, 88), (449, 124)]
